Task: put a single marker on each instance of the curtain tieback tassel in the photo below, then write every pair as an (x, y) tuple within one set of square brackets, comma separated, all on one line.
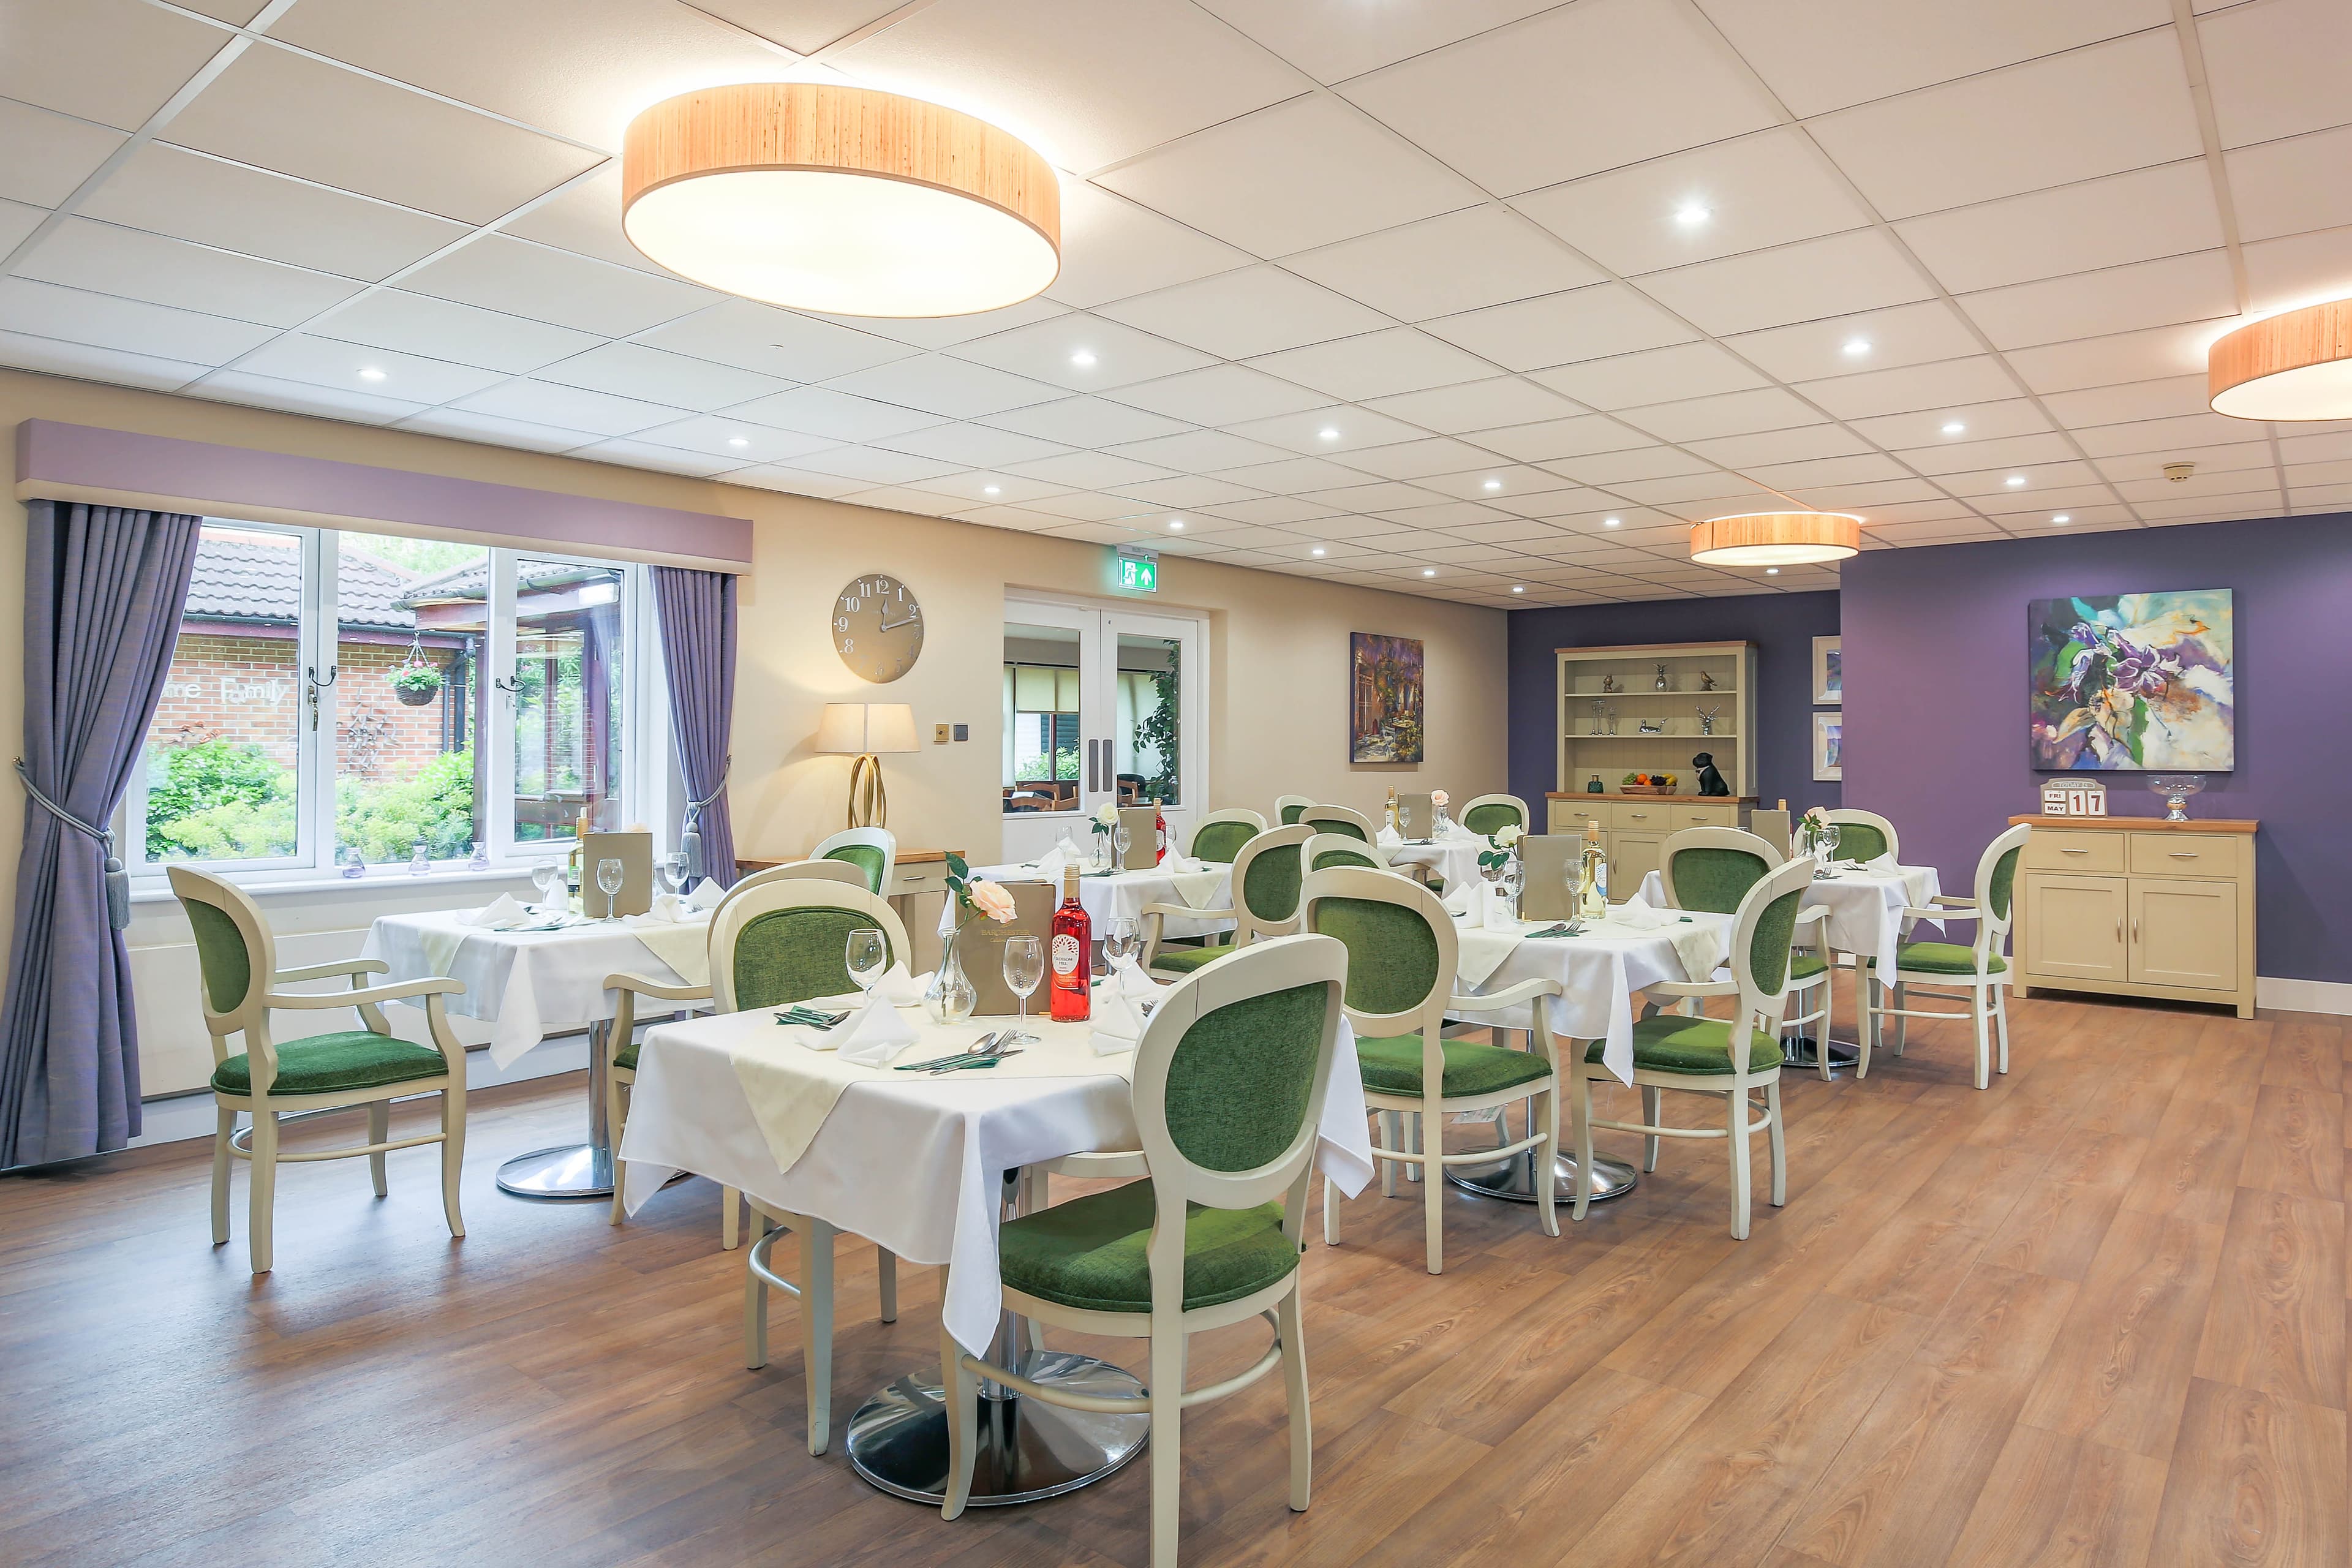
[(117, 880)]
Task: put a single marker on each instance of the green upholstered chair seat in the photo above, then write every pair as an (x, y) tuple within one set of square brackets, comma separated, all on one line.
[(627, 1060), (1672, 1043), (1089, 1253), (1941, 958), (1184, 959), (1803, 966), (1391, 1065), (335, 1064)]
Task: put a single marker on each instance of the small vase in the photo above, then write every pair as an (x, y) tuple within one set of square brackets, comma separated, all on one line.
[(950, 998)]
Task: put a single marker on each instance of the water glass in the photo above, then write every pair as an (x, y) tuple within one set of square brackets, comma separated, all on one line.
[(867, 957), (1120, 839), (1405, 820), (548, 878), (672, 870), (609, 879), (1122, 941), (1025, 966)]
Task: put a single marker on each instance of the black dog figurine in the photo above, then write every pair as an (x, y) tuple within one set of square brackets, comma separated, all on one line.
[(1709, 780)]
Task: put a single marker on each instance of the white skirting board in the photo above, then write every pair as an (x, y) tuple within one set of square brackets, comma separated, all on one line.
[(2330, 996), (180, 1116)]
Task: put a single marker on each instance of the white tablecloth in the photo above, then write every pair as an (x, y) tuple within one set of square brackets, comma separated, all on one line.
[(912, 1167), (1865, 908), (526, 985), (1124, 893), (1598, 976), (1456, 861)]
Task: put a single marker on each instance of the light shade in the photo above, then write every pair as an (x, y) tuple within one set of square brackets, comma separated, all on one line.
[(2297, 366), (840, 199), (854, 729), (1776, 538)]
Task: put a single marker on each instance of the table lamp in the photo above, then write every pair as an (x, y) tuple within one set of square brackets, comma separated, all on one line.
[(862, 731)]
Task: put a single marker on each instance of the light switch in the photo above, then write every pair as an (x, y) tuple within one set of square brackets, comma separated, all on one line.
[(939, 734), (963, 732)]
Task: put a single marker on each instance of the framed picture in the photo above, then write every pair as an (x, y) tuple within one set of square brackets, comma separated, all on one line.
[(1384, 695), (1829, 672), (1829, 746), (2133, 682)]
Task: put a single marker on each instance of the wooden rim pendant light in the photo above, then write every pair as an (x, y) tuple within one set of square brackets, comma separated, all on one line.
[(1776, 538), (840, 199), (2294, 365)]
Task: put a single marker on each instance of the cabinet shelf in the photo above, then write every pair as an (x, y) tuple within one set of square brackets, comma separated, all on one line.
[(1577, 678)]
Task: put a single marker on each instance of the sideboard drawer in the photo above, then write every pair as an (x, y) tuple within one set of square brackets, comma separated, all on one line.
[(2075, 849), (1645, 816), (1680, 816), (2184, 854)]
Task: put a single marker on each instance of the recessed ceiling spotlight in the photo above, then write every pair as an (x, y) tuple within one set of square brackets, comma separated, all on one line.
[(1316, 550), (1084, 359), (1771, 571), (738, 441), (369, 373), (2014, 481), (1329, 432), (1493, 485), (1611, 522), (1690, 214), (2062, 517), (1954, 427), (1429, 571), (1856, 347), (1177, 523), (992, 490), (1519, 587)]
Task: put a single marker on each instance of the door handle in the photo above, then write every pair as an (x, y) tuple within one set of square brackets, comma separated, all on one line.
[(2135, 931), (2119, 931)]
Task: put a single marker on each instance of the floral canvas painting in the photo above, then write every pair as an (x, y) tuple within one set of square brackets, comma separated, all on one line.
[(1384, 698), (2132, 682)]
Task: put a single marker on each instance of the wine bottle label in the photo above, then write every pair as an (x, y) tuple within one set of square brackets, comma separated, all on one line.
[(1065, 954)]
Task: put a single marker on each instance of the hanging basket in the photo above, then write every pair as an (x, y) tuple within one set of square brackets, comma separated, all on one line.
[(415, 682)]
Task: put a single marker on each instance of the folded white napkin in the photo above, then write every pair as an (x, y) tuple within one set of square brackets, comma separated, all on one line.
[(671, 909), (1071, 853), (1463, 900), (896, 986), (705, 894), (1640, 916), (1177, 864), (1456, 834), (1699, 944), (870, 1039), (504, 910), (1118, 1007), (1049, 865), (1497, 915), (1388, 839)]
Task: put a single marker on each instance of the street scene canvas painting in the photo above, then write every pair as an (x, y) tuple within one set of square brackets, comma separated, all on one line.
[(2134, 682), (1384, 702)]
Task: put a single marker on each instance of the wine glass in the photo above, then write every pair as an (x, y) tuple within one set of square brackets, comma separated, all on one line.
[(1025, 966), (1405, 820), (1510, 879), (1120, 839), (1122, 941), (867, 957), (672, 870), (608, 878), (547, 878)]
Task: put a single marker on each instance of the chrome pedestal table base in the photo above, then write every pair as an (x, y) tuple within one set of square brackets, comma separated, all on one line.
[(572, 1170), (1514, 1178), (1805, 1051)]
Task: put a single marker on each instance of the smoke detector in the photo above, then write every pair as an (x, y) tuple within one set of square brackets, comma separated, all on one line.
[(2176, 472)]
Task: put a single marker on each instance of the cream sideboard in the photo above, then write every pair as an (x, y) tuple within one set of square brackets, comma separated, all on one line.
[(2135, 906), (1634, 828)]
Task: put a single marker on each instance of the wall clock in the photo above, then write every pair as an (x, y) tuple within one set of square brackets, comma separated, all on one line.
[(878, 627)]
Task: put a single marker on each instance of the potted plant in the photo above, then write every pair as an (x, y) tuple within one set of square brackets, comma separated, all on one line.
[(416, 684)]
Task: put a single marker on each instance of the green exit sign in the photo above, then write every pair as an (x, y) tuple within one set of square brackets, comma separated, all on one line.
[(1139, 572)]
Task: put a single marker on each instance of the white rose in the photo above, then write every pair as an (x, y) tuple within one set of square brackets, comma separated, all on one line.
[(1507, 837), (1106, 814)]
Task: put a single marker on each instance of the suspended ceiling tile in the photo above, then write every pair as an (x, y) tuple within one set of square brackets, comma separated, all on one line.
[(1726, 414), (1868, 339), (1295, 476), (126, 326), (137, 265), (1476, 406), (1790, 446), (300, 397), (739, 441), (974, 445), (1237, 315), (1559, 439), (1329, 431), (1089, 470), (547, 285), (89, 362), (2277, 69), (948, 332), (2144, 356), (662, 460), (1375, 364), (2166, 210), (1813, 278), (1977, 379), (1462, 261), (2001, 452), (571, 407), (1219, 395), (1605, 320), (2292, 186), (488, 429), (838, 416), (442, 329), (1936, 424), (1084, 422), (347, 367), (113, 62), (1082, 353), (49, 154), (2299, 268), (634, 370), (2162, 399), (782, 343), (2193, 288), (1113, 249), (1199, 451), (1654, 375)]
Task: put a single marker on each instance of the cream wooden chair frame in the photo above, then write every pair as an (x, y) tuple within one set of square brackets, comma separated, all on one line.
[(249, 1014), (1248, 926), (1177, 1182), (880, 838), (618, 1079), (1757, 1010), (1313, 817), (1327, 843), (1868, 819), (1985, 991), (1256, 821), (1527, 820), (1283, 803), (1816, 991), (1432, 1105)]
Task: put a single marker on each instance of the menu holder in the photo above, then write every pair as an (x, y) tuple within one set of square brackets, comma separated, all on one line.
[(980, 948), (1142, 824), (1550, 862), (635, 851), (1418, 812)]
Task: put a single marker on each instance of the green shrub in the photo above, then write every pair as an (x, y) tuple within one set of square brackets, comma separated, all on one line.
[(217, 798), (435, 804)]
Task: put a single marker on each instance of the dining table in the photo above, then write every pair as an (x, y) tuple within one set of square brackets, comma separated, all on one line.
[(537, 972), (1107, 894), (930, 1167), (1453, 859)]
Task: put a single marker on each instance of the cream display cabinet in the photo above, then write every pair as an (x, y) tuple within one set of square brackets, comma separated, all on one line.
[(2135, 906), (1623, 682)]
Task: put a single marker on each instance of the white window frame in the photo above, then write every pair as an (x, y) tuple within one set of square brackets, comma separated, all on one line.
[(647, 777)]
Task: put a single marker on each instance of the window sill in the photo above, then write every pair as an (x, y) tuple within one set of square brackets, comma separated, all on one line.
[(158, 890)]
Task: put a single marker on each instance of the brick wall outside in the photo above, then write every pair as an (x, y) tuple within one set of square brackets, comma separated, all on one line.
[(249, 688)]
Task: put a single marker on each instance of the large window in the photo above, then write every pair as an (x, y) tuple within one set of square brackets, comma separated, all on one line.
[(349, 699)]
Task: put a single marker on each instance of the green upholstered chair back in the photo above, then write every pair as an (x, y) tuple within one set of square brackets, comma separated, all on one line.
[(235, 955), (1490, 814), (1222, 834), (1287, 807), (1761, 932), (1230, 1077), (1328, 849), (840, 871), (1266, 874), (873, 850), (786, 941), (1712, 868), (1402, 947), (1996, 885), (1336, 819), (1863, 834)]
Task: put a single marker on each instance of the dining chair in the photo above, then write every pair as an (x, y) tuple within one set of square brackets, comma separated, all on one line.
[(1730, 1056), (240, 985), (1230, 1078), (1222, 834), (873, 850), (1975, 973), (1337, 819), (1402, 951), (1712, 868), (620, 1046), (1287, 808), (1264, 887), (1328, 849), (1490, 814), (1863, 834)]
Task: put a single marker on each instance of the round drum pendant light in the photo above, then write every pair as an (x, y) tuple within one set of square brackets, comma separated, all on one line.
[(840, 199), (1776, 538), (2297, 366)]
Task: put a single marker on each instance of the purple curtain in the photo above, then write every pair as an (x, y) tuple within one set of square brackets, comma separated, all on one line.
[(698, 627), (103, 589)]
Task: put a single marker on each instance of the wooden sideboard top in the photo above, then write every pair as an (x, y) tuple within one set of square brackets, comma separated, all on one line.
[(2145, 824), (905, 858), (1670, 799)]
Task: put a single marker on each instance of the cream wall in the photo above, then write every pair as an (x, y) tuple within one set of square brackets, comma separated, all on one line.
[(1277, 658)]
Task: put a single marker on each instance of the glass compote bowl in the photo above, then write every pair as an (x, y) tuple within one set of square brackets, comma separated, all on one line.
[(2176, 788)]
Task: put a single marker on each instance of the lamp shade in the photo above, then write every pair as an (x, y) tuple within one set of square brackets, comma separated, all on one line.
[(857, 728), (1776, 538), (840, 199), (2294, 365)]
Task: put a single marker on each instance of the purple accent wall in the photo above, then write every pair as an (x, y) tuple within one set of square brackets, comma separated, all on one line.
[(1935, 702), (1782, 625), (233, 477)]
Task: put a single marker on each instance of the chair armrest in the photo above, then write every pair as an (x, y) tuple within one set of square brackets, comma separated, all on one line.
[(1187, 913), (328, 971), (1511, 997), (430, 986), (1817, 914), (1694, 987), (666, 991), (1940, 913), (1954, 902)]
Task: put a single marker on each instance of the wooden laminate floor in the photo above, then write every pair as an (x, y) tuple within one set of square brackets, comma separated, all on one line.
[(2093, 1316)]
